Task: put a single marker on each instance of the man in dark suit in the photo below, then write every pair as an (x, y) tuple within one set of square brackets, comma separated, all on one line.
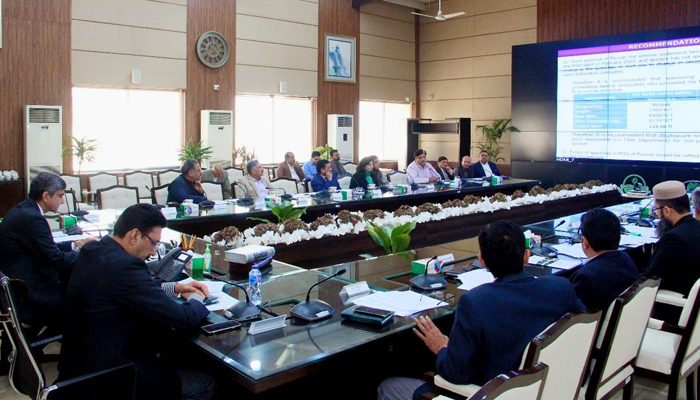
[(485, 168), (112, 306), (188, 185), (676, 259), (29, 253), (444, 169), (464, 169), (325, 178), (479, 348), (609, 272)]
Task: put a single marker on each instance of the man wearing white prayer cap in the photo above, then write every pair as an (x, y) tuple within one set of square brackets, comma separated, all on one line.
[(676, 258)]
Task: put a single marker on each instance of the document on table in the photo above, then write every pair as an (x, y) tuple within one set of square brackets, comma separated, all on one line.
[(565, 263), (60, 237), (475, 278), (216, 289), (573, 250), (401, 303), (642, 230), (634, 241)]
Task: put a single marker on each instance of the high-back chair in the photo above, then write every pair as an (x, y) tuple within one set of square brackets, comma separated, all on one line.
[(69, 204), (524, 384), (671, 353), (350, 168), (288, 185), (167, 176), (73, 182), (234, 173), (344, 182), (141, 180), (102, 180), (26, 375), (159, 195), (619, 341), (117, 196), (214, 190), (564, 346), (397, 177)]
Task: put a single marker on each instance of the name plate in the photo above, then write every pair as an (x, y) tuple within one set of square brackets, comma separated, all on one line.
[(376, 193), (222, 208), (356, 289), (169, 212)]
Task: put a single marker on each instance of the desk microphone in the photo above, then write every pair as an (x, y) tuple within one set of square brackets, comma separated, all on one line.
[(74, 229), (562, 222), (314, 310), (241, 311), (414, 185), (428, 282), (246, 199)]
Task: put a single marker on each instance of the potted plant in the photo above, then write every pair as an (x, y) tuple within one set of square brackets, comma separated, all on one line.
[(244, 155), (83, 149), (492, 134), (195, 151), (325, 151)]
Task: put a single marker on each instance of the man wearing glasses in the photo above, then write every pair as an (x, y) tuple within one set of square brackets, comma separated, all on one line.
[(676, 259), (116, 314)]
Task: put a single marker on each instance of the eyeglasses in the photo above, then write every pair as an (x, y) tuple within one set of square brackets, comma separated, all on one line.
[(153, 242)]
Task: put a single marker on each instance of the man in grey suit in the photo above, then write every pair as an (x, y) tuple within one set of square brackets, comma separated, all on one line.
[(218, 175)]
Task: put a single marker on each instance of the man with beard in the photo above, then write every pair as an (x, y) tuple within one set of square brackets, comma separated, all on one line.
[(676, 259)]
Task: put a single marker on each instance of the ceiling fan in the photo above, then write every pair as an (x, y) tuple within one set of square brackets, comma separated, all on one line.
[(440, 16)]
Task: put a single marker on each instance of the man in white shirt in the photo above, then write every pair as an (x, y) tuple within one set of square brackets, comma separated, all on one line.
[(420, 170)]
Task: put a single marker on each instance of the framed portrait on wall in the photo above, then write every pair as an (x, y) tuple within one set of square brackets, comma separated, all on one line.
[(340, 59)]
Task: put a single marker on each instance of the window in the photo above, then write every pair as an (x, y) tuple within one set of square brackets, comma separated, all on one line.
[(272, 126), (383, 130), (129, 126)]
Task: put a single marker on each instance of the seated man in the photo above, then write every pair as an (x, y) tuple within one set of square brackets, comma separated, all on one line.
[(29, 253), (325, 178), (256, 184), (494, 322), (217, 175), (485, 168), (608, 272), (464, 169), (677, 254), (289, 168), (444, 169), (420, 170), (336, 165), (112, 304), (187, 186), (310, 166), (695, 197)]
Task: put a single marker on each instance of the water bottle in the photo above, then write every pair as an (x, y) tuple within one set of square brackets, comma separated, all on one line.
[(254, 278), (207, 259)]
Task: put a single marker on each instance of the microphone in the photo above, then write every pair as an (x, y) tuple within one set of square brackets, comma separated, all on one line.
[(553, 229), (414, 185), (428, 282), (241, 311), (314, 310), (247, 199)]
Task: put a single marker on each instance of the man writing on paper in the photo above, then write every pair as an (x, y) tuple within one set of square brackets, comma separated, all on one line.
[(188, 185), (217, 175), (420, 170), (116, 314), (608, 271), (676, 258), (494, 322)]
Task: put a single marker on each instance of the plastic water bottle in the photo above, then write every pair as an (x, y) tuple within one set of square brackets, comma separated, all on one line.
[(254, 278), (207, 260)]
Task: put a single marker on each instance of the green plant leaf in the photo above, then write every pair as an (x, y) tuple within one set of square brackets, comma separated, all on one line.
[(402, 229), (400, 243), (407, 255), (259, 219), (372, 230)]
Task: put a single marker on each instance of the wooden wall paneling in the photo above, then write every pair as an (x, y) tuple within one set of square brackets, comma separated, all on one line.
[(35, 68), (573, 19), (204, 16), (337, 17), (415, 109)]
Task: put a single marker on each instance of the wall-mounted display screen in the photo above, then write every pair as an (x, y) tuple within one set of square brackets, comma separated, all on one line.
[(631, 101)]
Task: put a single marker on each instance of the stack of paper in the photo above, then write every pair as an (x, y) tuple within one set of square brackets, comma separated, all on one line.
[(641, 230), (554, 262), (401, 303), (216, 289), (475, 278), (572, 250)]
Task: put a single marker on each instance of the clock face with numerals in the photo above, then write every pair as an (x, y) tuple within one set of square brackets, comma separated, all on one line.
[(212, 50)]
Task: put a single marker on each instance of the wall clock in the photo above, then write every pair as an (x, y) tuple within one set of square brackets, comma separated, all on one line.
[(212, 50)]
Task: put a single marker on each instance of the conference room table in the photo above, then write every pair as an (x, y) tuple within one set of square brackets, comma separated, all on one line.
[(390, 199)]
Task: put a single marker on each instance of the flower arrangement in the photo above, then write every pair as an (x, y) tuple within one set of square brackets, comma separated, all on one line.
[(346, 222)]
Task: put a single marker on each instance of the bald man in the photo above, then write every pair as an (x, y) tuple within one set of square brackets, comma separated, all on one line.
[(218, 175)]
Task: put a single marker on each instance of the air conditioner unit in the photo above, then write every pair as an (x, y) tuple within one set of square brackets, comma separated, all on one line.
[(217, 132), (43, 140), (340, 135)]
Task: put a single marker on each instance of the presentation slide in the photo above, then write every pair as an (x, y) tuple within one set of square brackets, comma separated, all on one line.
[(635, 101)]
